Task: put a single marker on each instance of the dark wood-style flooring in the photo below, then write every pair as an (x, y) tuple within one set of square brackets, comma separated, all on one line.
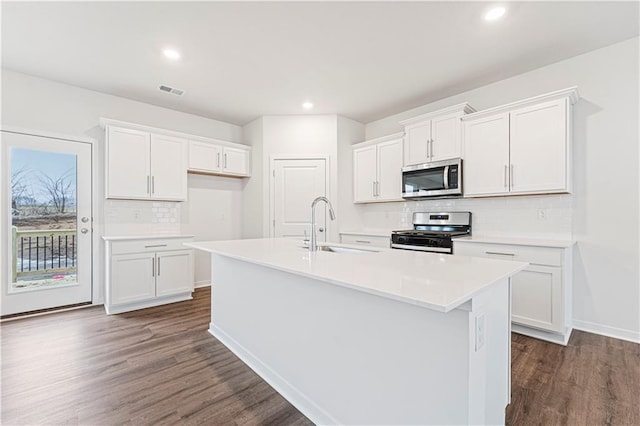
[(160, 366)]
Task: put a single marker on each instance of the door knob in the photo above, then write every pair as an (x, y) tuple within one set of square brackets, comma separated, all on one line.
[(84, 219), (320, 229), (84, 230)]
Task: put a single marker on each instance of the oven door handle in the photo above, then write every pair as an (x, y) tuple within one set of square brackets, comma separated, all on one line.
[(446, 177), (421, 248)]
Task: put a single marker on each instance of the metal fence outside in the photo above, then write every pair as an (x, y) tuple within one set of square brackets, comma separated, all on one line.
[(37, 252)]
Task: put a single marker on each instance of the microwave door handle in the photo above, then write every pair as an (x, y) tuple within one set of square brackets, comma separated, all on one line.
[(446, 177)]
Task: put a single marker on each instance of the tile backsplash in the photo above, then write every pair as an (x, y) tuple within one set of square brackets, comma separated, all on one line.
[(547, 216), (133, 217)]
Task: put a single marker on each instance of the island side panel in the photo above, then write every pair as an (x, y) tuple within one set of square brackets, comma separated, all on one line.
[(340, 355), (490, 355)]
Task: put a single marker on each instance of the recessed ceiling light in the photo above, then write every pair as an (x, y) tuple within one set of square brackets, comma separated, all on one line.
[(307, 105), (171, 54), (495, 13)]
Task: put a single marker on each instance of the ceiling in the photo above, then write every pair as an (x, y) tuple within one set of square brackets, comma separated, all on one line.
[(242, 60)]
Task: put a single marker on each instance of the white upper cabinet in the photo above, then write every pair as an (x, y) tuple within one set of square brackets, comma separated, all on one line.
[(128, 162), (147, 163), (485, 169), (377, 170), (365, 166), (228, 159), (389, 185), (539, 146), (141, 165), (435, 136), (168, 171), (235, 161), (520, 148), (204, 157)]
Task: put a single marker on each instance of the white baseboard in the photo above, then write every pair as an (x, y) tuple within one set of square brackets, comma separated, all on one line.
[(604, 330), (560, 339), (118, 309), (199, 284), (292, 394)]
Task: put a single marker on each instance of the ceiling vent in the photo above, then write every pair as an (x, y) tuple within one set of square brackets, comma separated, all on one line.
[(172, 90)]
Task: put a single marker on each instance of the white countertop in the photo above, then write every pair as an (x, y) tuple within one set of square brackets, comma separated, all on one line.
[(436, 281), (516, 241), (144, 237)]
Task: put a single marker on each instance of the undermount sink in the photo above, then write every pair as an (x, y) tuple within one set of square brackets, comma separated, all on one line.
[(337, 249)]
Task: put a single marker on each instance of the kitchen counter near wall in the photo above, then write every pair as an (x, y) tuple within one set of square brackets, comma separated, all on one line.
[(537, 217), (515, 240)]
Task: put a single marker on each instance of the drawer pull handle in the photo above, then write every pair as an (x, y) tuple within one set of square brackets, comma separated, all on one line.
[(499, 254), (153, 267), (156, 245), (363, 241)]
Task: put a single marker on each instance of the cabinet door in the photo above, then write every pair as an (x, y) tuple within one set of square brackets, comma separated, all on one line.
[(416, 144), (389, 186), (132, 278), (168, 168), (204, 157), (539, 148), (364, 174), (235, 161), (174, 273), (127, 164), (537, 298), (446, 137), (486, 162)]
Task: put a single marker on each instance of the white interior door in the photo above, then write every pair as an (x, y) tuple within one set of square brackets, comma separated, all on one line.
[(46, 222), (295, 184)]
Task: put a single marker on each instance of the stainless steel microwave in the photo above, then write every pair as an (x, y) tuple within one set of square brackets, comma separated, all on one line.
[(437, 179)]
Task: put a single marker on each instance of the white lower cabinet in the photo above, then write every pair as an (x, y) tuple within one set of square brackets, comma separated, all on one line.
[(541, 293), (147, 272), (537, 298), (361, 239)]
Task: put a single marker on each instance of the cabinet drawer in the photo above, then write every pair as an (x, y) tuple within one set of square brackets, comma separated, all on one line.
[(534, 255), (148, 245), (365, 240)]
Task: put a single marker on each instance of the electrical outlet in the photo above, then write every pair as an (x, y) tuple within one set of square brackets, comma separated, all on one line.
[(480, 332), (542, 214)]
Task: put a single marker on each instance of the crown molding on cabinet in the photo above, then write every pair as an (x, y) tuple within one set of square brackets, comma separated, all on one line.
[(104, 122), (464, 107), (570, 92), (387, 138)]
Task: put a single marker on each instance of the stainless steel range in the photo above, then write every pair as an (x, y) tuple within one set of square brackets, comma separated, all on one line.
[(433, 232)]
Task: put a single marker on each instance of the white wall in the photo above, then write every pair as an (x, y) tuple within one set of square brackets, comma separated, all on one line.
[(252, 196), (213, 212), (602, 214), (33, 103), (303, 135), (349, 133)]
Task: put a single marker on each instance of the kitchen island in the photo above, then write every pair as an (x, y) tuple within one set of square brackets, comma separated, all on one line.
[(371, 337)]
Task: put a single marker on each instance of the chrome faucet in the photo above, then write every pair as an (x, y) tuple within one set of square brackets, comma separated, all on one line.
[(313, 244)]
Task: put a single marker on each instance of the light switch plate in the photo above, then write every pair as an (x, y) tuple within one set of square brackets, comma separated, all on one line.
[(480, 332)]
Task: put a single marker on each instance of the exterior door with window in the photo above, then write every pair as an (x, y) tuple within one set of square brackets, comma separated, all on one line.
[(46, 221)]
